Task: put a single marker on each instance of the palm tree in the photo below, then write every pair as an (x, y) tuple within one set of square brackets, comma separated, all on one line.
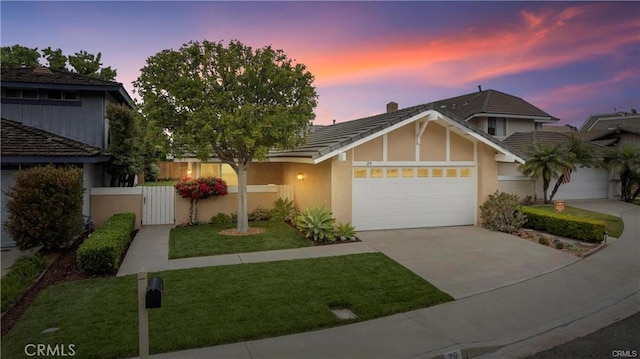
[(627, 159), (547, 162), (579, 153)]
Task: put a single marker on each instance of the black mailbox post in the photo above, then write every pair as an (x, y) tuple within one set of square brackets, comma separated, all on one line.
[(154, 293)]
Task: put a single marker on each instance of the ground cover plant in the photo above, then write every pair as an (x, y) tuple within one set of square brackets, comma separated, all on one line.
[(22, 274), (614, 225), (206, 239), (216, 305)]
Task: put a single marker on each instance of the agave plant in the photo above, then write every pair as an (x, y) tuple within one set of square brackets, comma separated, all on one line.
[(345, 230), (284, 210), (316, 223)]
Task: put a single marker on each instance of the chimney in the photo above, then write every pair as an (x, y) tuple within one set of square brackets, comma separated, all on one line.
[(392, 106), (479, 88)]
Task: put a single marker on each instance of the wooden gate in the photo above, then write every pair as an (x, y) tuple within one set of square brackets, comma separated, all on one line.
[(159, 205)]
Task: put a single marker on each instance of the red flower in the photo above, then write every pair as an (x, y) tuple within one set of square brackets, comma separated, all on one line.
[(201, 188)]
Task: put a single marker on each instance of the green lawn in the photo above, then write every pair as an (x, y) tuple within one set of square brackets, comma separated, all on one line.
[(216, 305), (614, 224), (205, 240)]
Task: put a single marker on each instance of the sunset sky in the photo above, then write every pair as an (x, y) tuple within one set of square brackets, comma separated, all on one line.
[(571, 59)]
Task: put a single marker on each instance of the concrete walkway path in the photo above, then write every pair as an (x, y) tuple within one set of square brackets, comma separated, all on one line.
[(509, 322), (150, 250)]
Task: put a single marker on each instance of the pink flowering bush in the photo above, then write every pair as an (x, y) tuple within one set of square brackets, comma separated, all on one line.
[(200, 188)]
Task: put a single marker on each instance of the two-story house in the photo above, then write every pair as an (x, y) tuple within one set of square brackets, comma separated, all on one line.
[(52, 116)]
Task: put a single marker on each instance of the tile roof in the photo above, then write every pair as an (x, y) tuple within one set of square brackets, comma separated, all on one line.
[(18, 140), (605, 121), (326, 139), (59, 77), (523, 141), (491, 102)]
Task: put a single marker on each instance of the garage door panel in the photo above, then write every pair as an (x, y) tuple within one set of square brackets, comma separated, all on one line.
[(586, 183), (384, 203)]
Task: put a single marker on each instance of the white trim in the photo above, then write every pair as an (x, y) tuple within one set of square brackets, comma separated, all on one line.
[(411, 119), (447, 144), (292, 160), (414, 164), (429, 114), (513, 178), (475, 195), (501, 157), (110, 191), (385, 147)]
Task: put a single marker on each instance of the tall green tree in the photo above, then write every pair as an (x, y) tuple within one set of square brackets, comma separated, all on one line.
[(579, 153), (547, 162), (81, 63), (126, 145), (233, 102), (626, 159)]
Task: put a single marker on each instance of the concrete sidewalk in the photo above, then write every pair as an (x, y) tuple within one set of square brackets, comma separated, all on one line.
[(150, 250), (512, 321)]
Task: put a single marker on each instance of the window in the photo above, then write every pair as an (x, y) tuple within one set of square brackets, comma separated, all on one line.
[(21, 93), (359, 173), (376, 173), (61, 95), (210, 170), (436, 172), (229, 175), (497, 126), (392, 173), (465, 172), (452, 172), (407, 172), (423, 172)]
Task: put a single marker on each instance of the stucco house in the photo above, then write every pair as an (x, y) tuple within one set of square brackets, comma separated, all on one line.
[(427, 165), (52, 116)]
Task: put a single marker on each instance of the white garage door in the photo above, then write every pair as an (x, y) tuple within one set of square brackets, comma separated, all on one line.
[(412, 197), (7, 181), (586, 183)]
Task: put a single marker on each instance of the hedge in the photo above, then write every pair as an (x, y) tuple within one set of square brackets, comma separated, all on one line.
[(101, 252), (588, 230)]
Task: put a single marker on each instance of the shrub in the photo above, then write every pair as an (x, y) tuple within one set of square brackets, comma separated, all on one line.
[(102, 251), (283, 210), (197, 189), (45, 206), (259, 214), (316, 223), (345, 230), (588, 230), (221, 218), (21, 276), (501, 213), (543, 240), (559, 244)]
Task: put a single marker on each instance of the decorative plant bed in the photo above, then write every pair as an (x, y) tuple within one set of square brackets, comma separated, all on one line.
[(572, 246)]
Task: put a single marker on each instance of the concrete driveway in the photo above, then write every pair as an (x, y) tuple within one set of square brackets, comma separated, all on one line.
[(467, 260)]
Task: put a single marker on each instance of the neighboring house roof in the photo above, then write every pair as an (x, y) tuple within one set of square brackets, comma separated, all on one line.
[(25, 144), (42, 77), (492, 103), (328, 141), (609, 121), (523, 141)]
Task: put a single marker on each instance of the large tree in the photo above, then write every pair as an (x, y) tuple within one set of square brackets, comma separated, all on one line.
[(126, 145), (547, 162), (232, 102), (81, 62)]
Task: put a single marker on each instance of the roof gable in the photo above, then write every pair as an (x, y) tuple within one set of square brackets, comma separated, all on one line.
[(523, 141)]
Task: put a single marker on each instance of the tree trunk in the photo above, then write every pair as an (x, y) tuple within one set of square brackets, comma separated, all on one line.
[(193, 215), (545, 189), (555, 188), (243, 219)]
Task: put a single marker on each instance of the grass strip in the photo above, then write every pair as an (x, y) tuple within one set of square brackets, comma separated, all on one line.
[(205, 240), (22, 274), (217, 305)]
